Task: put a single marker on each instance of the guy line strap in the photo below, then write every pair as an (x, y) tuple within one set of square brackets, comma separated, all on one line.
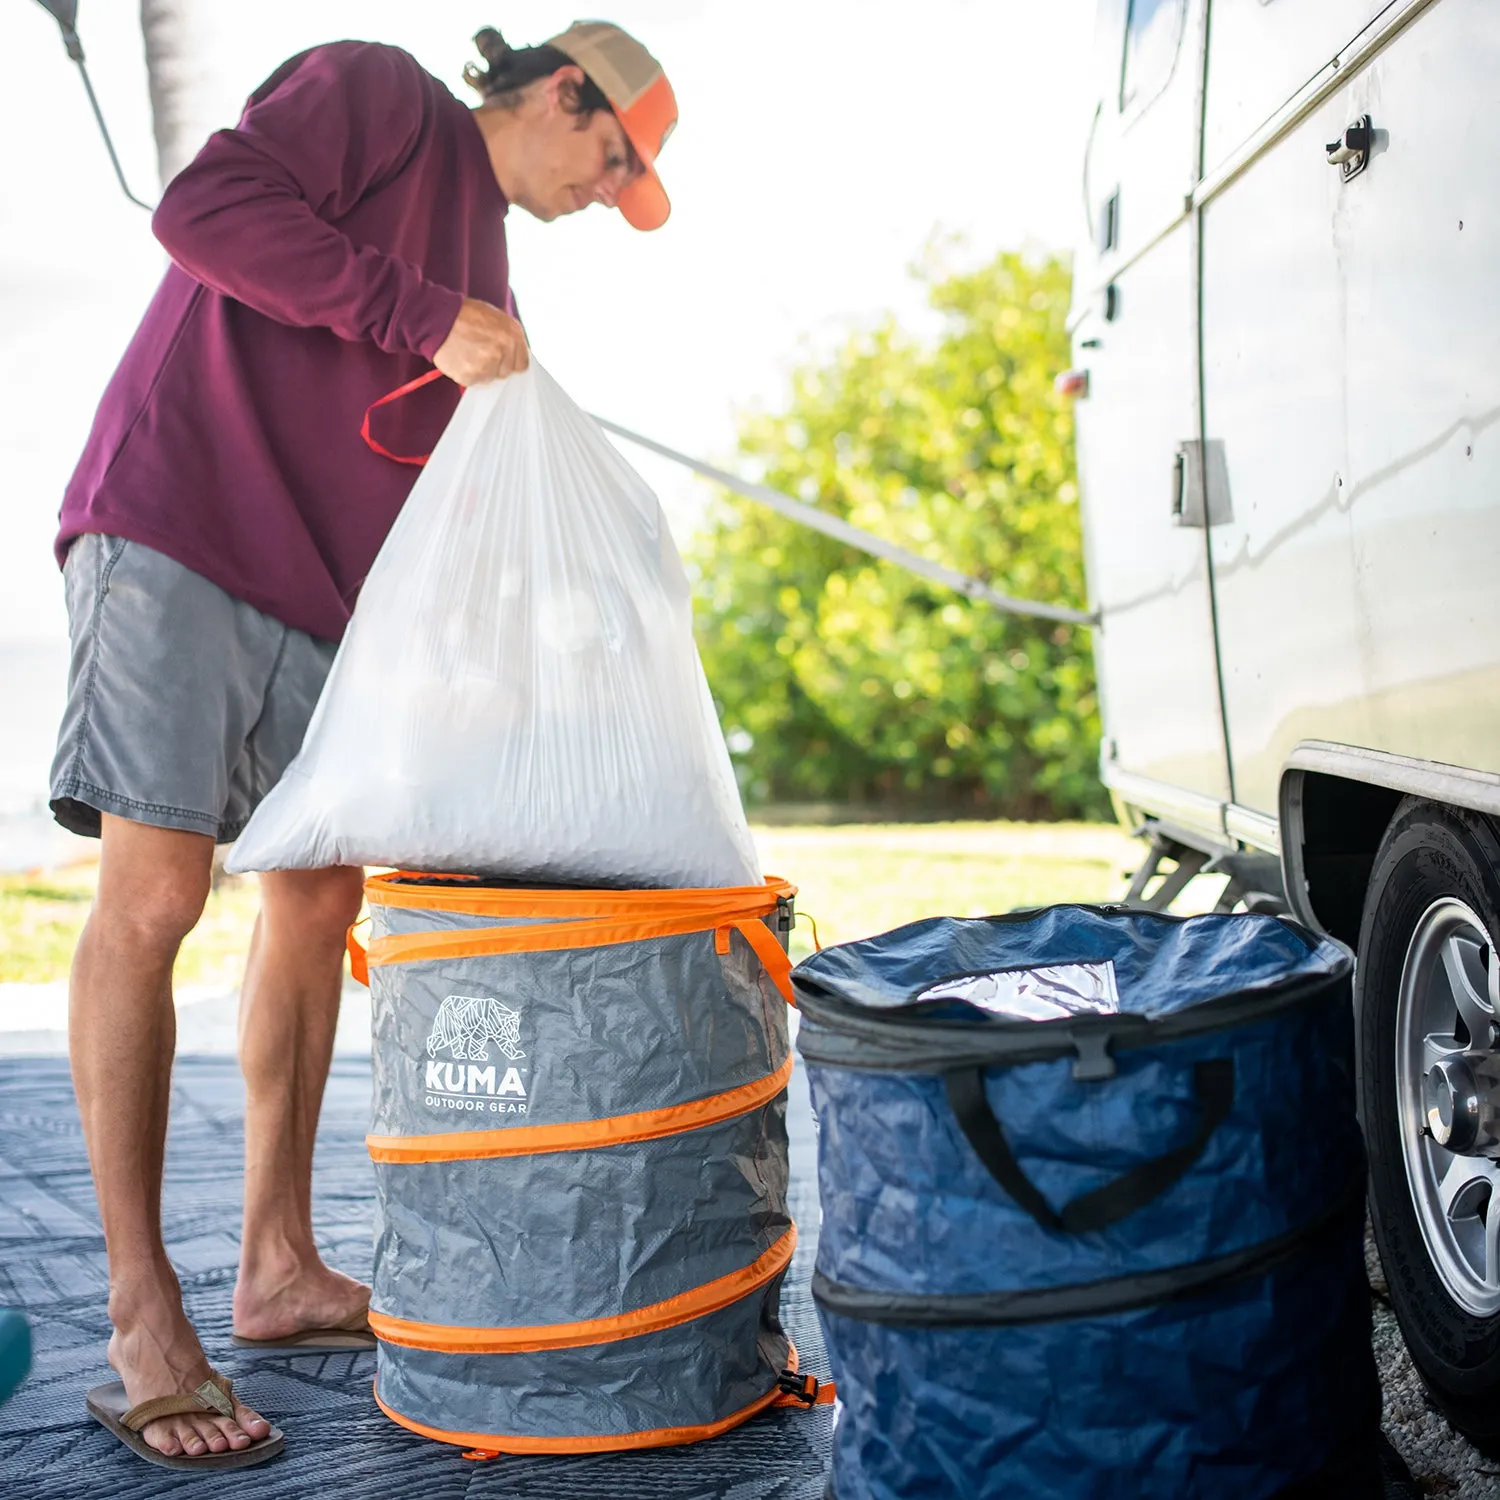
[(854, 536), (794, 510)]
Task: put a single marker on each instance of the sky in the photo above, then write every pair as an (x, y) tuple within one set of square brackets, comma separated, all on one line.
[(822, 145)]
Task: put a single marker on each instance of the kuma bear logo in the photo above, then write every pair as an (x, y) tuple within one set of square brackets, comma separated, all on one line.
[(465, 1027)]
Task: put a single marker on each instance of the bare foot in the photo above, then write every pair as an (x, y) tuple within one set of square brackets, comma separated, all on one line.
[(279, 1294), (156, 1353)]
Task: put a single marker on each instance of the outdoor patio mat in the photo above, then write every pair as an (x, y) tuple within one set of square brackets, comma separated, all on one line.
[(338, 1443)]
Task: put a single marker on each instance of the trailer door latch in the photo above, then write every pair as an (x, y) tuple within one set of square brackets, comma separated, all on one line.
[(1200, 484), (1351, 153)]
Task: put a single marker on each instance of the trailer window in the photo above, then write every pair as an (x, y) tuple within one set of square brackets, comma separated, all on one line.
[(1153, 33)]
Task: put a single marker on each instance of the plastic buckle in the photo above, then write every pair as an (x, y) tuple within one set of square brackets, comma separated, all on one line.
[(803, 1388), (1093, 1063)]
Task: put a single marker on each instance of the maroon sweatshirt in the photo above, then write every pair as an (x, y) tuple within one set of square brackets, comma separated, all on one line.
[(320, 254)]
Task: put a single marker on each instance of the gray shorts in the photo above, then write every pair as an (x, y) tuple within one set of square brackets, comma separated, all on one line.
[(185, 704)]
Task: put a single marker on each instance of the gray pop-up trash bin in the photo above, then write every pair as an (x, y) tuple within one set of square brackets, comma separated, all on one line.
[(581, 1161)]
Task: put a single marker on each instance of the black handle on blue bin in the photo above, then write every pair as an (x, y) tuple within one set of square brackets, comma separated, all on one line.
[(1213, 1082)]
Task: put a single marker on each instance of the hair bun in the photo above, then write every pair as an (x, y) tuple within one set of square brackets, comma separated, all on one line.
[(492, 46), (507, 71), (497, 54)]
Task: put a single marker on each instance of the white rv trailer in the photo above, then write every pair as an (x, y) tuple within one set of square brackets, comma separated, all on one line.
[(1287, 333)]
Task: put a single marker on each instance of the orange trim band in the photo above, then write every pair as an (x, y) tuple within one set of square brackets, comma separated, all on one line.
[(616, 1130), (656, 1437), (683, 1308), (476, 942), (576, 919), (503, 901)]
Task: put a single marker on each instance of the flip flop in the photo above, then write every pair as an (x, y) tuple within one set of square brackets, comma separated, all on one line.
[(352, 1333), (109, 1405)]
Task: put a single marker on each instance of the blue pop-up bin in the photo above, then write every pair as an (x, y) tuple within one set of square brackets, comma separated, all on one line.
[(1093, 1209)]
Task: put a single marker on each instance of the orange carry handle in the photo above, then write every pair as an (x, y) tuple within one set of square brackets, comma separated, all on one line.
[(359, 958), (773, 959)]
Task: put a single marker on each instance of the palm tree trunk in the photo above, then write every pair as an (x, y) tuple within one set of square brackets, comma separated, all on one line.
[(174, 36)]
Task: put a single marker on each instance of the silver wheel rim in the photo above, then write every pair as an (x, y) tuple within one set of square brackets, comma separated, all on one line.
[(1448, 1018)]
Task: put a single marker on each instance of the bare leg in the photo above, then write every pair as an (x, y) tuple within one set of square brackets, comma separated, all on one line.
[(121, 1033), (288, 1011)]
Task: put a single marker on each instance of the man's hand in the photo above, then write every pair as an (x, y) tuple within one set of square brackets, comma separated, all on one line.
[(483, 344)]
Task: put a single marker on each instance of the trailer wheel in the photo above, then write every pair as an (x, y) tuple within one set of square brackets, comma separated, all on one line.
[(1429, 1064)]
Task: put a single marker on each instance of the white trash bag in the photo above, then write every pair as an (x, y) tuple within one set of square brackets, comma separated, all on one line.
[(518, 693)]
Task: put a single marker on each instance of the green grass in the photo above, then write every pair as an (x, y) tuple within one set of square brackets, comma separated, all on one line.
[(40, 918), (42, 915), (867, 878), (854, 880)]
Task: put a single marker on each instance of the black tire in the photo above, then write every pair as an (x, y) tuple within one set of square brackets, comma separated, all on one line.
[(1429, 851)]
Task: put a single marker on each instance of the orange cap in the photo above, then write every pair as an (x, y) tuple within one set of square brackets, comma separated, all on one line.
[(643, 102)]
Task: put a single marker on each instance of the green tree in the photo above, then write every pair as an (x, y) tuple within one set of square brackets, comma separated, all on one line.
[(845, 678)]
